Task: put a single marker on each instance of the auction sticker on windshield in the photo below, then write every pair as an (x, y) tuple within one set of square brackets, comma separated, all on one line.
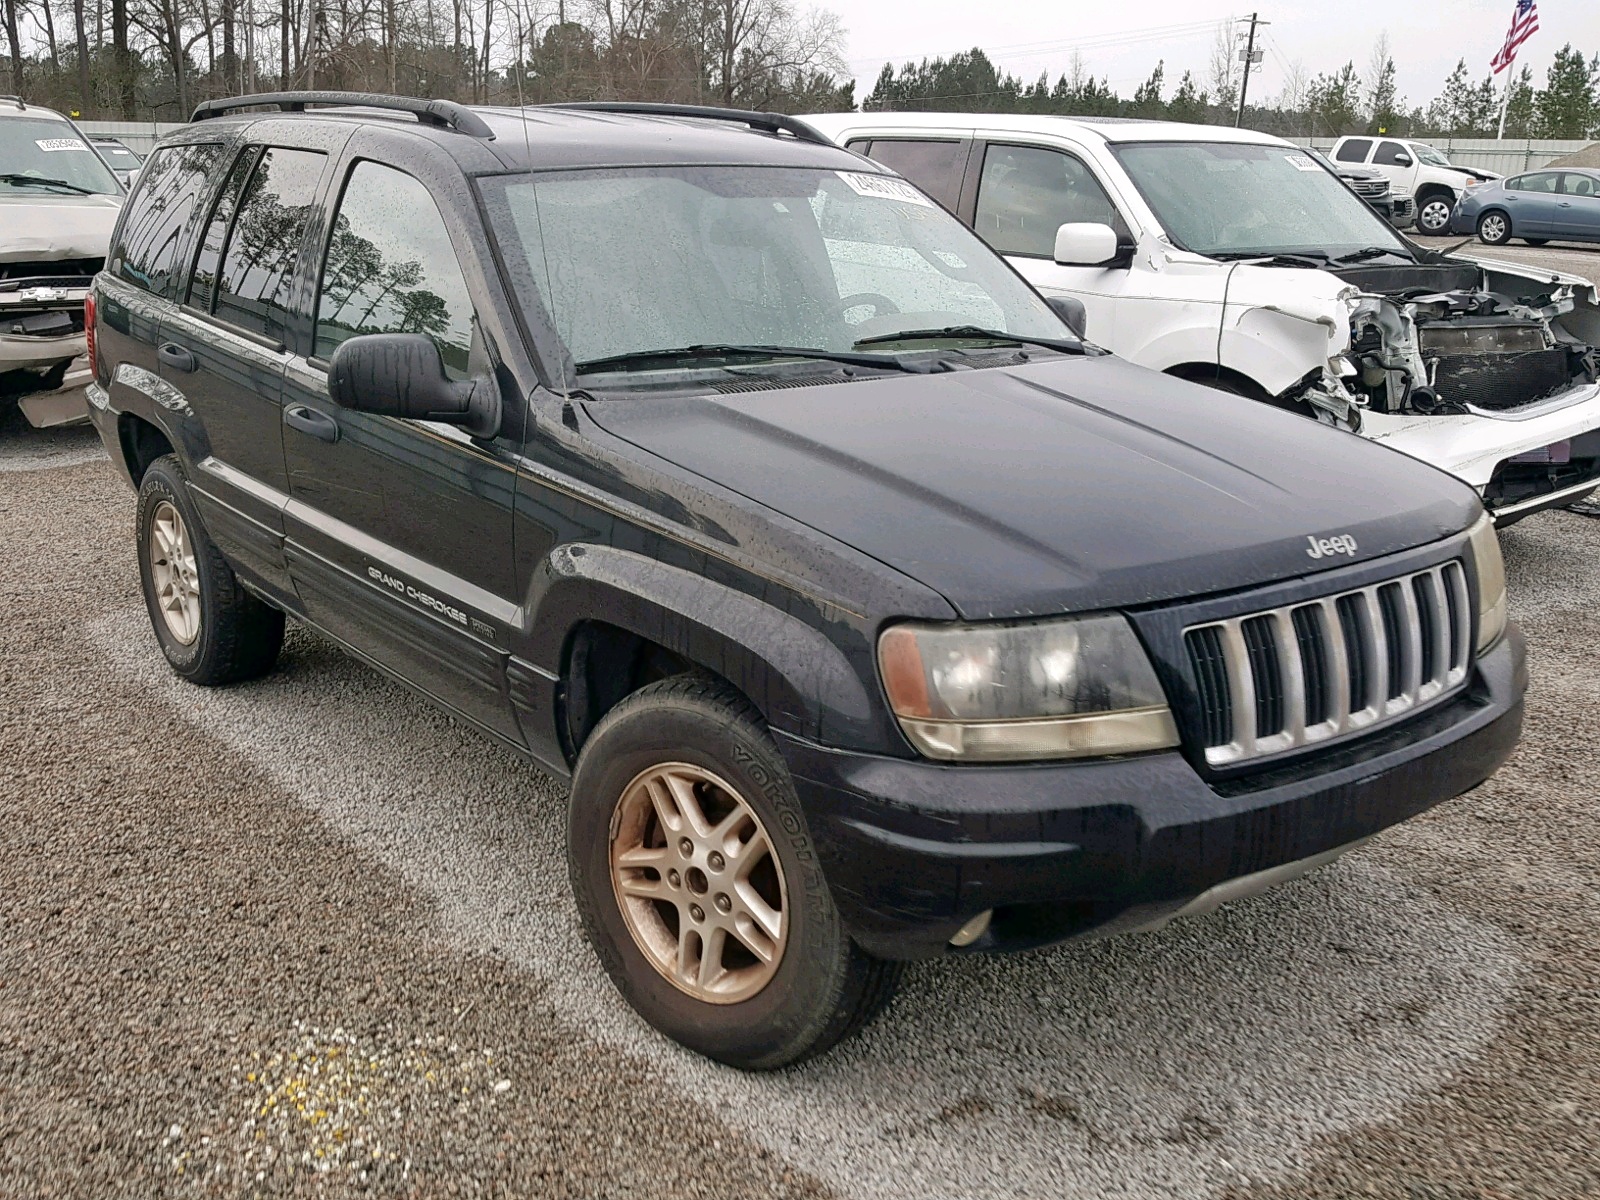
[(883, 187), (51, 145), (1301, 162)]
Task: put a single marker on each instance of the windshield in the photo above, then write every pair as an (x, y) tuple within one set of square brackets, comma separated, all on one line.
[(628, 261), (1429, 155), (1237, 200), (32, 148)]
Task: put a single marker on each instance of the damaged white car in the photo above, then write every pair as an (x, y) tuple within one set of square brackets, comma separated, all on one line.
[(58, 205), (1234, 259)]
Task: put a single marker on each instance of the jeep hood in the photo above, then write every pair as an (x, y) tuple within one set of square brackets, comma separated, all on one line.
[(35, 227), (1058, 486)]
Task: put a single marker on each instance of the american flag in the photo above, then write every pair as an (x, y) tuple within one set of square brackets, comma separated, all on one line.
[(1523, 26)]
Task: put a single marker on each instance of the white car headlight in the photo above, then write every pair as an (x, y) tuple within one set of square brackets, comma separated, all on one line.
[(1491, 570), (1025, 690)]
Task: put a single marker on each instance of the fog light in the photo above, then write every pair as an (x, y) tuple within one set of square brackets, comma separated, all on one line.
[(973, 929)]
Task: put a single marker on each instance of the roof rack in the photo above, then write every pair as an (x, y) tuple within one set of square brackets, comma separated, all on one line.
[(17, 100), (442, 114), (766, 122)]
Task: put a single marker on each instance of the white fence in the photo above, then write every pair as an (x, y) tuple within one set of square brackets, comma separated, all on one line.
[(1510, 157), (138, 136)]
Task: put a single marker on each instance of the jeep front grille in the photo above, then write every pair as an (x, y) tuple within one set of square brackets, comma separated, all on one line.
[(1271, 682)]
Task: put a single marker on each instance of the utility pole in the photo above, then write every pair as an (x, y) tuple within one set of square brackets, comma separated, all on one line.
[(1251, 57)]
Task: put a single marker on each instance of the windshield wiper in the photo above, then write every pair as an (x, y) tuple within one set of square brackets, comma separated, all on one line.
[(1370, 252), (974, 332), (1299, 258), (13, 177), (643, 359)]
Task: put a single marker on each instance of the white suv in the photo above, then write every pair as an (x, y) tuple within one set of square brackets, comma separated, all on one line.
[(1234, 259), (58, 204), (1418, 169)]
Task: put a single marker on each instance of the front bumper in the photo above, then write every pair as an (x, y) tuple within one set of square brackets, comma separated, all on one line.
[(914, 850), (1473, 445)]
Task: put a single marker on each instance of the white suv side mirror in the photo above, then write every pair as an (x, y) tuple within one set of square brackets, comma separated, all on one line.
[(1085, 244), (1402, 160)]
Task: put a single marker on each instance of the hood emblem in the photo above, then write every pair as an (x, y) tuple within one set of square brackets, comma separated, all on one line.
[(1339, 543)]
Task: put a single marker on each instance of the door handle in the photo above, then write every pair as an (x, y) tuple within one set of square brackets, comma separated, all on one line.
[(175, 356), (308, 420)]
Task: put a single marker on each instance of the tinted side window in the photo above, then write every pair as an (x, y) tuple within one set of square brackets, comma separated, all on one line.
[(257, 272), (935, 167), (1579, 185), (1389, 153), (1355, 150), (391, 269), (146, 253), (204, 277), (1544, 182), (1026, 194)]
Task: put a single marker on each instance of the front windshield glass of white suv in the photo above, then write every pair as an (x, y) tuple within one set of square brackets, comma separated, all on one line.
[(1430, 156), (1235, 201), (625, 262), (46, 156)]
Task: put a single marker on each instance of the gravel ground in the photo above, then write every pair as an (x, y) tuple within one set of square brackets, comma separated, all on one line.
[(306, 936)]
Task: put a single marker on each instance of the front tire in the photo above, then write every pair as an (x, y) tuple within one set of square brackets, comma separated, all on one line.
[(211, 630), (1433, 216), (699, 887), (1494, 229)]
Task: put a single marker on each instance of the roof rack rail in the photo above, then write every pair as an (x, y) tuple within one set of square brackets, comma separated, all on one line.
[(17, 100), (766, 122), (442, 114)]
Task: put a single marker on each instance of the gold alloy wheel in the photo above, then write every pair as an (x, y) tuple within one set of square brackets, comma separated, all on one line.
[(173, 573), (698, 883)]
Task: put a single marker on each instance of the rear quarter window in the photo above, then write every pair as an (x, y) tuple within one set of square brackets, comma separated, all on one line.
[(151, 234)]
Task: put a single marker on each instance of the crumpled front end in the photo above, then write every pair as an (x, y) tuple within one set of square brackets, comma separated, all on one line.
[(41, 320), (1484, 370)]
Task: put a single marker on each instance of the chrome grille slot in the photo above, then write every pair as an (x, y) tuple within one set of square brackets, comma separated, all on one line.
[(1271, 682)]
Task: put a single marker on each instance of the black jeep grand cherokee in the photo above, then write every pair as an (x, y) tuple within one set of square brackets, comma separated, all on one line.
[(872, 614)]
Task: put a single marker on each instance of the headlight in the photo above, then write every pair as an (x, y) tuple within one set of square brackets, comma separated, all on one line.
[(1491, 570), (1043, 689)]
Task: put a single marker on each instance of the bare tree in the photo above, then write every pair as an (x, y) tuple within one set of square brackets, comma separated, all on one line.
[(1225, 65)]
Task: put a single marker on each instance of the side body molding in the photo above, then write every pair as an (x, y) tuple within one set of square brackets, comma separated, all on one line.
[(802, 683)]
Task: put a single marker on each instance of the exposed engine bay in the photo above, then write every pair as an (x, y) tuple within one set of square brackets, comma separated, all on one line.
[(1444, 337), (1450, 337)]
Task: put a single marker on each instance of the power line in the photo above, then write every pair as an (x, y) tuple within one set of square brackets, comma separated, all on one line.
[(1155, 33)]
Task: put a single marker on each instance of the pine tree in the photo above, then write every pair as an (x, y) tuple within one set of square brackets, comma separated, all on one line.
[(1567, 107), (1520, 112), (1448, 112), (1147, 98), (1188, 103)]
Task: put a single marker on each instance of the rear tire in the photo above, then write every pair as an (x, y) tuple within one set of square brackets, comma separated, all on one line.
[(1494, 229), (211, 630), (656, 799)]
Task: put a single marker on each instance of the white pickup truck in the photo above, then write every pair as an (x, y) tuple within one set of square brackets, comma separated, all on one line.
[(1417, 168), (1234, 259)]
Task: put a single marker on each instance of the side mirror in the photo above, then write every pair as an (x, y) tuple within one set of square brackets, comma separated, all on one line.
[(1402, 160), (1071, 312), (402, 375), (1085, 244)]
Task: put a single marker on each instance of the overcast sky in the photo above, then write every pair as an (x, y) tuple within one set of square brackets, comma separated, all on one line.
[(1026, 37)]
